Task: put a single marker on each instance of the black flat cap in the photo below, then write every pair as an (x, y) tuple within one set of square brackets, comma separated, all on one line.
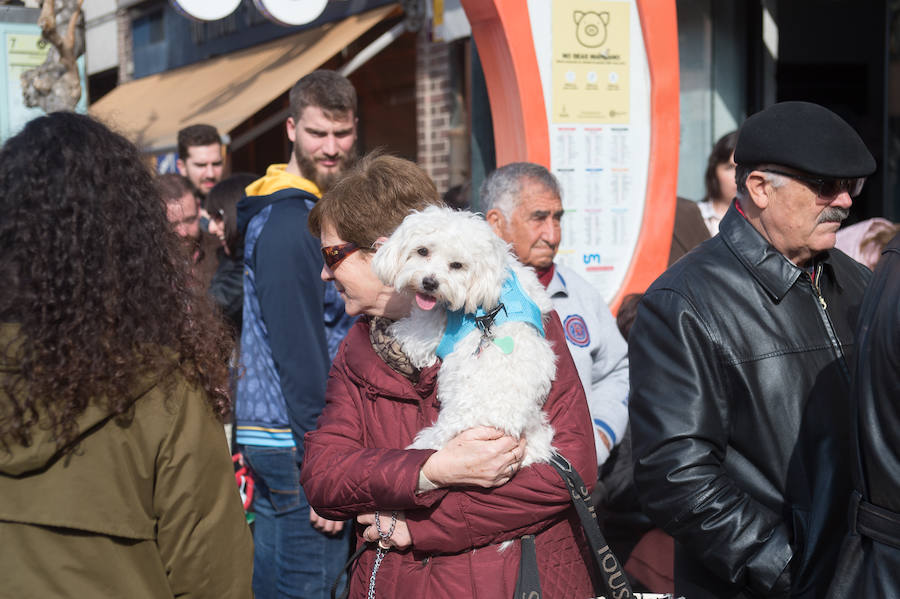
[(804, 136)]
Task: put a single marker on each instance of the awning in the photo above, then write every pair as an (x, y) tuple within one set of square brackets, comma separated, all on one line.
[(226, 90)]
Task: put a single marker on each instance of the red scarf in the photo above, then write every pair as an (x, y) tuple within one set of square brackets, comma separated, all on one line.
[(545, 275)]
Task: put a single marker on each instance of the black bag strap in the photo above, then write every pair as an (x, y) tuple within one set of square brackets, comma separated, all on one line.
[(614, 578), (528, 585), (346, 570)]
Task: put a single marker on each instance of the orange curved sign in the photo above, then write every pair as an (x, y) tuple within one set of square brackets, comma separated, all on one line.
[(503, 35)]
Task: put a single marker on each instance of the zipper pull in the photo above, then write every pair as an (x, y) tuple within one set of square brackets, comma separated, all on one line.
[(815, 284)]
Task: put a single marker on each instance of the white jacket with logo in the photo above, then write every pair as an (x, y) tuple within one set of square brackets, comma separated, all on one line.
[(599, 351)]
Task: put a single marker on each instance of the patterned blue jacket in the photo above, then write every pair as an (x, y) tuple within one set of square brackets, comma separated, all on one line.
[(293, 321)]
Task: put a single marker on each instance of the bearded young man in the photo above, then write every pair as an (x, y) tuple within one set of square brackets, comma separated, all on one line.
[(741, 356), (293, 323), (200, 157)]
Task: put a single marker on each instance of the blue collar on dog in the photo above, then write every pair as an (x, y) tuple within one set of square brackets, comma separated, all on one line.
[(514, 305)]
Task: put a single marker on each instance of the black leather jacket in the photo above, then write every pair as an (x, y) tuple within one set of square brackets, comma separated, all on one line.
[(739, 411), (870, 559)]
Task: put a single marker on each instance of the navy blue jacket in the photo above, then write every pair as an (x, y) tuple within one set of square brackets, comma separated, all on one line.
[(292, 321)]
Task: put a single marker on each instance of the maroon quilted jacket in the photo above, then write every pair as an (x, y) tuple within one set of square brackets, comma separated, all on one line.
[(355, 463)]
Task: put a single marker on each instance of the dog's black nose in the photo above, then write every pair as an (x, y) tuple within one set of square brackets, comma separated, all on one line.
[(429, 284)]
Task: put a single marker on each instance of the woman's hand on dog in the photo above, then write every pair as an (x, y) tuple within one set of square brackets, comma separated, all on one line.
[(400, 539), (481, 456)]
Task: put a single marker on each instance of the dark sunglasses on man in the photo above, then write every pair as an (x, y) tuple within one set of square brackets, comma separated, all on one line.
[(827, 187)]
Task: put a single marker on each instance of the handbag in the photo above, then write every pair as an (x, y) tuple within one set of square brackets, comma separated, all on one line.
[(615, 582)]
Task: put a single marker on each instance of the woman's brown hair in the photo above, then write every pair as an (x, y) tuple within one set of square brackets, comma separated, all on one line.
[(373, 198), (721, 154)]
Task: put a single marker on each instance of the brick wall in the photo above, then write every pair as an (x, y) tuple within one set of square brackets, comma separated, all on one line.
[(434, 105)]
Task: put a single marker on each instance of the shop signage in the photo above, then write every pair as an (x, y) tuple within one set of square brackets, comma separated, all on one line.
[(291, 12), (206, 10), (21, 48), (589, 89), (283, 12)]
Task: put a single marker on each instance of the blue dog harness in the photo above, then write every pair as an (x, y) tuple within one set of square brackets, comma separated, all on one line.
[(514, 306)]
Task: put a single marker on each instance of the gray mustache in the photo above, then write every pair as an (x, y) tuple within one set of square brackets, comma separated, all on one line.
[(833, 214)]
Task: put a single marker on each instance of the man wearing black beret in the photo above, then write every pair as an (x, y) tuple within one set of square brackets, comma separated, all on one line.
[(741, 357)]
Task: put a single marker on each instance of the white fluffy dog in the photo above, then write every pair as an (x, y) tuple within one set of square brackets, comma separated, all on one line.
[(499, 371)]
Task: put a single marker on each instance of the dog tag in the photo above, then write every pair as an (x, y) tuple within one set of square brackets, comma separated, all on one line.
[(505, 344)]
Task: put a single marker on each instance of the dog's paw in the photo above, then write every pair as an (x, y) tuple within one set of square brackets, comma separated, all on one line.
[(424, 361)]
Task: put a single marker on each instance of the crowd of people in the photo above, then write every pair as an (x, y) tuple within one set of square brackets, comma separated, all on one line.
[(728, 419)]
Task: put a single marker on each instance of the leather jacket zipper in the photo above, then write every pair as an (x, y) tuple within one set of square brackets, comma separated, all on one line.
[(826, 320), (815, 286)]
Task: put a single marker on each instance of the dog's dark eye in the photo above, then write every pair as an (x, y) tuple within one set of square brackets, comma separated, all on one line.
[(422, 251), (456, 265)]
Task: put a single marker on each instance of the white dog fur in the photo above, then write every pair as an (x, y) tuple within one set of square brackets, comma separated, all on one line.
[(453, 260)]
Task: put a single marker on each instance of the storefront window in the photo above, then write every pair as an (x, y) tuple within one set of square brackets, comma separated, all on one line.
[(712, 58)]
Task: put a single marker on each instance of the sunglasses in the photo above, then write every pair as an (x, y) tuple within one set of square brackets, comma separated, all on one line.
[(334, 254), (824, 186)]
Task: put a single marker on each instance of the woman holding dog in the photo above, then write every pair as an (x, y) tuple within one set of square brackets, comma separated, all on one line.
[(442, 515)]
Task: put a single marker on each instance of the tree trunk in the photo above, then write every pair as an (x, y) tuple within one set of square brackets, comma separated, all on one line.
[(56, 84)]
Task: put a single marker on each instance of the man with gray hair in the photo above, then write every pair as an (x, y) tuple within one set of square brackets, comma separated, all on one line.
[(523, 204), (741, 355)]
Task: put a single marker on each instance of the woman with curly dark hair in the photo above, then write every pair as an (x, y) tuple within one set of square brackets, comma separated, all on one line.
[(115, 475)]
